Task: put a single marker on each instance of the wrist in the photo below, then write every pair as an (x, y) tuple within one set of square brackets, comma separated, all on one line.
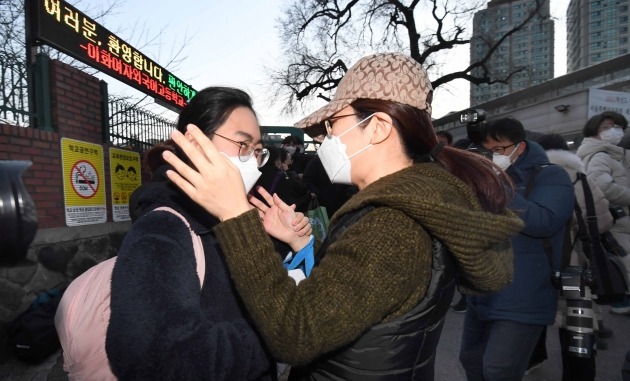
[(234, 212), (300, 243)]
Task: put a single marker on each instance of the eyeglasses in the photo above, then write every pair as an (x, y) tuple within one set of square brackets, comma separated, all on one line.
[(328, 122), (500, 150), (246, 150)]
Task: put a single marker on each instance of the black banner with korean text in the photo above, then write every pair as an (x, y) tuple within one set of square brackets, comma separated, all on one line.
[(62, 26)]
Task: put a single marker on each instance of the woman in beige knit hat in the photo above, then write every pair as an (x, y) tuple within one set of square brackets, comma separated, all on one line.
[(425, 216)]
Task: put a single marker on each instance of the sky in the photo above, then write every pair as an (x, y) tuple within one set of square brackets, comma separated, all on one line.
[(230, 43)]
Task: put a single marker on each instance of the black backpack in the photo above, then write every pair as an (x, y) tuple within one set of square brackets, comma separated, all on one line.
[(32, 335)]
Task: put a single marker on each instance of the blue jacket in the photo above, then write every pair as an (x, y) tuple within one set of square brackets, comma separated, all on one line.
[(531, 298)]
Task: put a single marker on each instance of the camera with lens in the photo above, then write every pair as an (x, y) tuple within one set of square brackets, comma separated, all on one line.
[(572, 281), (578, 337), (475, 120), (18, 215)]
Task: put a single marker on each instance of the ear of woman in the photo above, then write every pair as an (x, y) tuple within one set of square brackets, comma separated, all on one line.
[(381, 126)]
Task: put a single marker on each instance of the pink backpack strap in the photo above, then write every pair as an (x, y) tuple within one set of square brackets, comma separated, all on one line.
[(197, 244)]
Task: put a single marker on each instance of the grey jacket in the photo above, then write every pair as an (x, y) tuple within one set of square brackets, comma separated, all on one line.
[(608, 166)]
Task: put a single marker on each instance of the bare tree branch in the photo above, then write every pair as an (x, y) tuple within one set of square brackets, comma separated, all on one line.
[(321, 37)]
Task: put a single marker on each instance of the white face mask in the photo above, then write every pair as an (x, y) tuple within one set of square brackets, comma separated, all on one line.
[(612, 135), (504, 161), (290, 150), (248, 169), (334, 158)]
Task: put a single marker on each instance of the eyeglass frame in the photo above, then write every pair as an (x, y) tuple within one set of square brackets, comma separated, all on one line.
[(257, 152), (500, 150), (328, 122)]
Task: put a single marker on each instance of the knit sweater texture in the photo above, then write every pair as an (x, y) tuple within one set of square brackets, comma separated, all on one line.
[(377, 270)]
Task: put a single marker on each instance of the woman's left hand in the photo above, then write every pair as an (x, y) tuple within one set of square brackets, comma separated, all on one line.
[(281, 221), (216, 184)]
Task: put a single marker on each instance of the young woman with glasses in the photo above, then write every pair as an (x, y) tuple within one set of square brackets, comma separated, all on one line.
[(373, 305), (164, 324)]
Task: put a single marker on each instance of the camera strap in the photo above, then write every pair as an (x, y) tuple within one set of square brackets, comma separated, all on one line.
[(598, 255), (582, 232)]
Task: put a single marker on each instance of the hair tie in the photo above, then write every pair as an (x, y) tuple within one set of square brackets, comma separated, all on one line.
[(436, 151)]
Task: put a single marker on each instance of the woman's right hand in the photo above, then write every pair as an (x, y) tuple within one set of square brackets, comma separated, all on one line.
[(213, 181), (281, 221)]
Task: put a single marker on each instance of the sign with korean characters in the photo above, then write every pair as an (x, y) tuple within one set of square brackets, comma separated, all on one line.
[(606, 100), (83, 182), (62, 26), (124, 168)]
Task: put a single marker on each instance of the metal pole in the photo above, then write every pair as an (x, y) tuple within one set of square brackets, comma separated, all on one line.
[(30, 60)]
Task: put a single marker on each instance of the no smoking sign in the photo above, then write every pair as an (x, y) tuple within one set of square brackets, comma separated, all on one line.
[(84, 177)]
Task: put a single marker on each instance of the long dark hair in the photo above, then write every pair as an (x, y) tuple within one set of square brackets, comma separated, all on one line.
[(208, 110), (418, 136)]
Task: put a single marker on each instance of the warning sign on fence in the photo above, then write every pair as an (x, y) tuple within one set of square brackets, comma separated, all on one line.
[(124, 169), (83, 182)]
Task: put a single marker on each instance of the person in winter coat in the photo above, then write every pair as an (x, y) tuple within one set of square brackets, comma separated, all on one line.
[(299, 158), (164, 324), (501, 329), (608, 166), (332, 196), (577, 368), (275, 179), (373, 307)]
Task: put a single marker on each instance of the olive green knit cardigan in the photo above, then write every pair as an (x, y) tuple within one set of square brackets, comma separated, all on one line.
[(377, 270)]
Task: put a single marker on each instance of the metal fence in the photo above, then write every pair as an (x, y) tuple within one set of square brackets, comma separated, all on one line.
[(129, 125), (135, 128), (13, 92)]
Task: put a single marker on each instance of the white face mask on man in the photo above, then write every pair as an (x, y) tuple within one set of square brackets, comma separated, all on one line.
[(334, 158), (248, 169), (504, 161), (612, 135)]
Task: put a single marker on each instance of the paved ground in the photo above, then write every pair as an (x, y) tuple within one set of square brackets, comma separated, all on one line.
[(608, 362), (447, 366)]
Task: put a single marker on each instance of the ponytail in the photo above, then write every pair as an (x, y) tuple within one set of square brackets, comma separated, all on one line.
[(492, 187)]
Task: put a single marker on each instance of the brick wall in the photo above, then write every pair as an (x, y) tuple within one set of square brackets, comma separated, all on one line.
[(76, 114), (43, 179), (76, 107)]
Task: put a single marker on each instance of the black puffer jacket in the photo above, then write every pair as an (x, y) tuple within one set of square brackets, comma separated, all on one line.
[(162, 326), (401, 349)]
